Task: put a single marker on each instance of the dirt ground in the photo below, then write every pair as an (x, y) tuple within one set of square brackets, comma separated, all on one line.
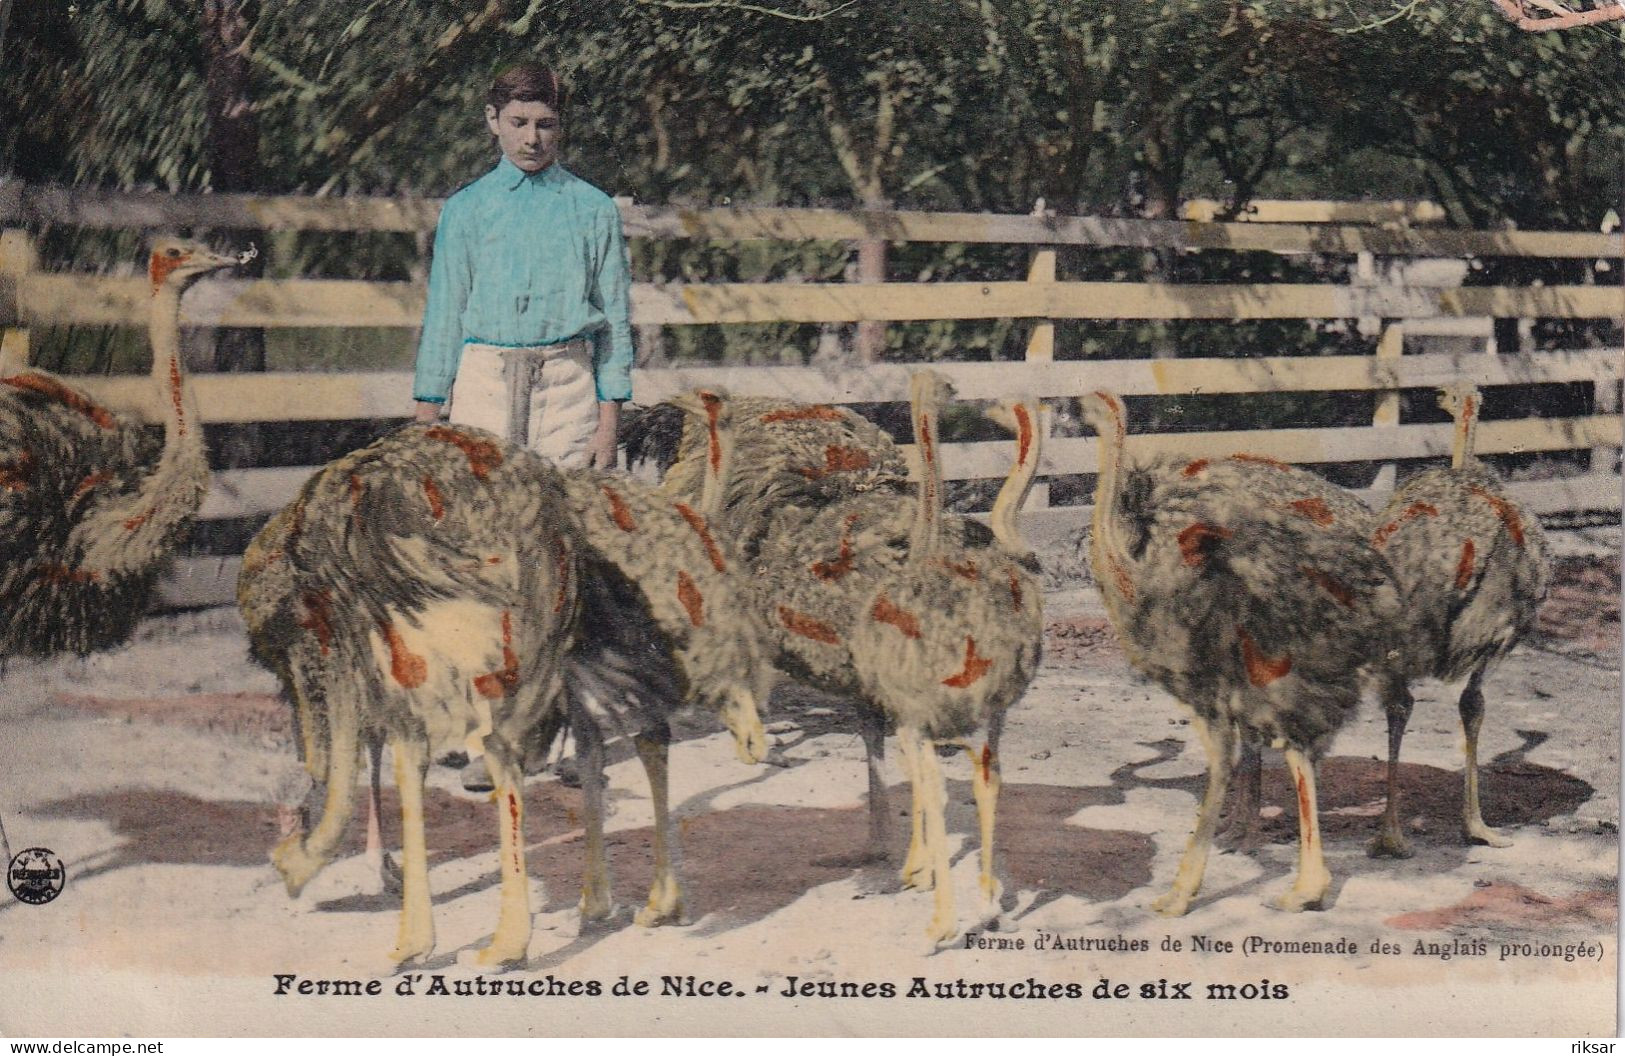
[(152, 772)]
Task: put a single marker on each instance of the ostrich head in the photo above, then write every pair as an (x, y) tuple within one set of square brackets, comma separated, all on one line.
[(1104, 412), (927, 388), (178, 262), (1459, 398)]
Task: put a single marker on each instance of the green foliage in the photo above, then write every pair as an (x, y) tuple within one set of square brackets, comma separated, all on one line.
[(1097, 106)]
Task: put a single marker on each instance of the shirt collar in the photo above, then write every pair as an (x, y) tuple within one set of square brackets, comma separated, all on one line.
[(513, 177)]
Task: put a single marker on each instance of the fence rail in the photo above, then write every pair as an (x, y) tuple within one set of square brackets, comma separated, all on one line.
[(32, 206), (1389, 309)]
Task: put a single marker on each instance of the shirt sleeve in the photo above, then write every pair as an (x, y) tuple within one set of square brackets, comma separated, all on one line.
[(612, 291), (440, 348)]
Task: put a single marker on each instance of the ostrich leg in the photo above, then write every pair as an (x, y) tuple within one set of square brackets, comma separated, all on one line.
[(916, 863), (1240, 829), (665, 904), (5, 847), (872, 723), (931, 793), (511, 940), (1309, 888), (1219, 738), (1397, 702), (985, 784), (416, 937), (389, 873), (299, 857), (1471, 705), (595, 889)]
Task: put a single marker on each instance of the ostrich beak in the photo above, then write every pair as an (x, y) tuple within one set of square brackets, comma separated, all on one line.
[(202, 261)]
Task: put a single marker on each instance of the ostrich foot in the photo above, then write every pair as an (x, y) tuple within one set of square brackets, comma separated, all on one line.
[(942, 930), (1478, 832), (1174, 904), (1389, 844), (296, 864), (501, 954), (595, 902), (1301, 896), (665, 906), (412, 950)]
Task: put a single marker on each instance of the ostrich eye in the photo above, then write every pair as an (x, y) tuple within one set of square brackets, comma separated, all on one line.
[(172, 252)]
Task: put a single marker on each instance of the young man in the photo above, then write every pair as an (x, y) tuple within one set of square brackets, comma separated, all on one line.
[(526, 331)]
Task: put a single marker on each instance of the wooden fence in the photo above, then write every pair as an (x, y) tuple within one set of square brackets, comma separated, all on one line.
[(31, 297)]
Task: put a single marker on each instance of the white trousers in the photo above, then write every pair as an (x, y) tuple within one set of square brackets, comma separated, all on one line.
[(563, 400)]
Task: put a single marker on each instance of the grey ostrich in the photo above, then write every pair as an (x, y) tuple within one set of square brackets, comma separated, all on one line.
[(1260, 621), (948, 642), (90, 510), (1319, 504), (422, 590), (786, 454), (657, 561), (1473, 568), (796, 464), (838, 588)]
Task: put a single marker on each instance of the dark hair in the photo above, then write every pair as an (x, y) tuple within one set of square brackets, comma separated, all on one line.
[(526, 82)]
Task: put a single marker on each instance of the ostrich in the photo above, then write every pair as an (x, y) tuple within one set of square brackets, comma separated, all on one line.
[(422, 590), (950, 640), (1260, 621), (90, 510), (1473, 568), (1317, 503), (834, 623), (655, 563), (807, 455), (797, 461)]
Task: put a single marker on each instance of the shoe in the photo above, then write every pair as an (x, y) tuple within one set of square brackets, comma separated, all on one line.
[(477, 776)]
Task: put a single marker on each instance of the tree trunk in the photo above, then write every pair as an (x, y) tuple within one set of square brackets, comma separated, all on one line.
[(870, 343), (234, 167)]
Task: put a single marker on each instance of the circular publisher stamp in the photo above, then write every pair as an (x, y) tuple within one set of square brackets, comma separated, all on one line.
[(36, 875)]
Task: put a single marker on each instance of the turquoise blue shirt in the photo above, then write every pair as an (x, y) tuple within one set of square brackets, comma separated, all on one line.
[(527, 259)]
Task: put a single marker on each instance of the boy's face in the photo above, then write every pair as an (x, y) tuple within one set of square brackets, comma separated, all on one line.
[(528, 133)]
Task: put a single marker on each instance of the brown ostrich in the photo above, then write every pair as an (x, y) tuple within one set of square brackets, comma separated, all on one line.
[(947, 642), (658, 561), (90, 509), (1473, 568), (422, 590), (1260, 621)]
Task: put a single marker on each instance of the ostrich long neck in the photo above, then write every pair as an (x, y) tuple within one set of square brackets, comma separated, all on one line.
[(1013, 493), (719, 454), (926, 533), (1466, 415), (130, 532), (1108, 486)]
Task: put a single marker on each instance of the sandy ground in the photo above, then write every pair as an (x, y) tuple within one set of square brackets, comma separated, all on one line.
[(151, 771)]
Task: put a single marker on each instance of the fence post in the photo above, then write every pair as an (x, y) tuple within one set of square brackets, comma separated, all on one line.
[(1041, 344), (18, 257)]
